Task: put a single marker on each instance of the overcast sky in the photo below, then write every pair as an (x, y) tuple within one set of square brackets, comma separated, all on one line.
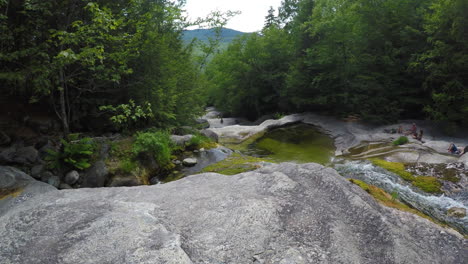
[(251, 19)]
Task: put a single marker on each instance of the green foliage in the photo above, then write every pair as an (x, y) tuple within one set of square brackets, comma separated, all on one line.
[(395, 196), (400, 141), (158, 144), (78, 55), (75, 152), (128, 116), (248, 78), (200, 141), (381, 60), (128, 165)]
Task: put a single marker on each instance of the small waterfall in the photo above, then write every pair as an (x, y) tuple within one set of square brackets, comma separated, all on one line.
[(435, 206)]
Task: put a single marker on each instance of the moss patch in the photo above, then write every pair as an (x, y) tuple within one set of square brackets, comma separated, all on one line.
[(426, 183), (235, 164), (386, 199), (241, 145), (299, 143), (14, 192)]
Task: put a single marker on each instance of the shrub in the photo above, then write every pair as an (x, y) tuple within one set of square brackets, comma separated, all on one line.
[(201, 141), (157, 144), (75, 152), (400, 141), (128, 116)]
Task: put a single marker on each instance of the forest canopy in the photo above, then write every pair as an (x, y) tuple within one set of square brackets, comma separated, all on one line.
[(74, 56), (381, 60)]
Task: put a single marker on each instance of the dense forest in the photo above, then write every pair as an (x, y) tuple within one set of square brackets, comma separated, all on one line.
[(87, 60), (126, 60), (377, 59)]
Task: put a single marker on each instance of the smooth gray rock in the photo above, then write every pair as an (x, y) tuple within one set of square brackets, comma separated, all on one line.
[(7, 155), (46, 175), (282, 213), (202, 123), (54, 181), (124, 181), (12, 179), (72, 177), (37, 170), (181, 140), (95, 176), (26, 155), (189, 162), (210, 134), (64, 186), (456, 212)]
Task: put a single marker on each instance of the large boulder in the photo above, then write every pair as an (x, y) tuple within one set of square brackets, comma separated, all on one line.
[(284, 213), (72, 177), (16, 187), (95, 176), (181, 140), (210, 134), (26, 155)]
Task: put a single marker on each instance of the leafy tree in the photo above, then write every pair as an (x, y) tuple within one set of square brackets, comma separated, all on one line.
[(446, 61)]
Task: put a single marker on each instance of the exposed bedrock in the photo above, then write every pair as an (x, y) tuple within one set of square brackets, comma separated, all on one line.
[(281, 213)]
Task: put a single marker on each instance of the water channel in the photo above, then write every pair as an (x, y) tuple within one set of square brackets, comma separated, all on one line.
[(304, 143)]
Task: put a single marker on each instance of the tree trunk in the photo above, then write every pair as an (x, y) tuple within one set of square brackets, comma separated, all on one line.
[(63, 109)]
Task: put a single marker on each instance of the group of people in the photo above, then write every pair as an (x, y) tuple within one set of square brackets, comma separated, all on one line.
[(413, 131)]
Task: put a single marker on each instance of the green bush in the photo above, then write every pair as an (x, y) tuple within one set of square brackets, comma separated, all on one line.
[(157, 144), (128, 165), (200, 141), (129, 116), (400, 141), (75, 152)]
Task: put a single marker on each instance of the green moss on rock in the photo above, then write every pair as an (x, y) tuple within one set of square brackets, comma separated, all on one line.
[(11, 192), (425, 183), (386, 199), (235, 164)]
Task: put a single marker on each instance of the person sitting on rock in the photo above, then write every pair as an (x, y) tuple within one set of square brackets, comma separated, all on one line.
[(463, 151), (413, 130), (453, 149), (400, 129), (419, 137)]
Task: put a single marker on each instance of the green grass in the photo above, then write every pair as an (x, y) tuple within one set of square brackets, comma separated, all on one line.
[(200, 141), (425, 183), (235, 164)]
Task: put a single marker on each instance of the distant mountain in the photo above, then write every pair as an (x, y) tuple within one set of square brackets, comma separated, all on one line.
[(203, 34)]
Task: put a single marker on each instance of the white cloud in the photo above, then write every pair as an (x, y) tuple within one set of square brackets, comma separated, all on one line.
[(251, 19)]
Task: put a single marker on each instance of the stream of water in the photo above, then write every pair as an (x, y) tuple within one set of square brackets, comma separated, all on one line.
[(435, 206), (303, 143)]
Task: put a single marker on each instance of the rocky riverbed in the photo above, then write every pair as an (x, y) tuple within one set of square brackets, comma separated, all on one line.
[(277, 213), (283, 213)]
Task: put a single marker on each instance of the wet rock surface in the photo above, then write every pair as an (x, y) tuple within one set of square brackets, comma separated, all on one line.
[(284, 213), (452, 175)]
